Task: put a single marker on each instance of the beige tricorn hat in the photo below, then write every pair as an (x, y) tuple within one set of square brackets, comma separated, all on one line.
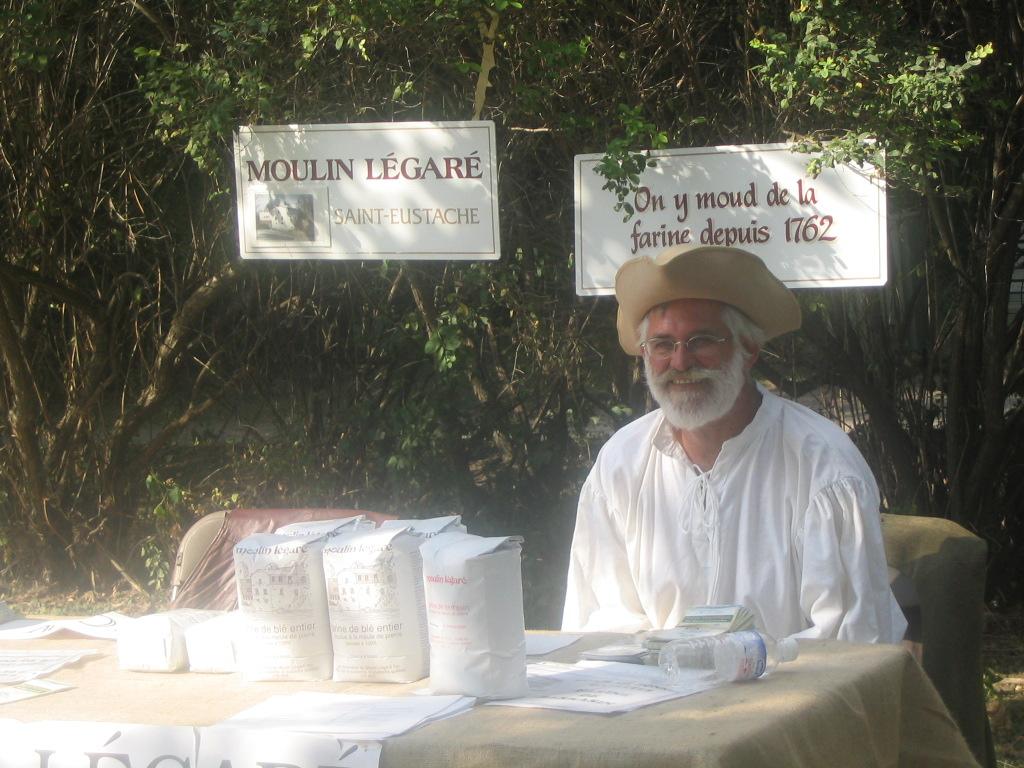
[(730, 275)]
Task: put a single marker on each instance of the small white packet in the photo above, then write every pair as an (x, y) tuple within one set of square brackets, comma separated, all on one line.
[(285, 633), (156, 643), (211, 643), (375, 600), (326, 527), (474, 595), (430, 526)]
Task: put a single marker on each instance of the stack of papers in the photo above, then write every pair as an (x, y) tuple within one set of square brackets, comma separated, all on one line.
[(21, 666), (30, 690), (538, 644), (602, 687), (628, 653), (103, 626), (349, 717), (702, 621)]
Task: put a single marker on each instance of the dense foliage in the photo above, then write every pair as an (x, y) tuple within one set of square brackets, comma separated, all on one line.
[(148, 376)]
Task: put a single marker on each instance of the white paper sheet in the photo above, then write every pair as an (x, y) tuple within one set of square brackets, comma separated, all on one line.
[(30, 689), (348, 716), (20, 666), (540, 644), (601, 687), (103, 626), (632, 653)]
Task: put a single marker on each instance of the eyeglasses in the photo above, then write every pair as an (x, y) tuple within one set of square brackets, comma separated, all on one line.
[(661, 348)]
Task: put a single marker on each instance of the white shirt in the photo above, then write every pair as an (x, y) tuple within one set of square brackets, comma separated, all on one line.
[(786, 523)]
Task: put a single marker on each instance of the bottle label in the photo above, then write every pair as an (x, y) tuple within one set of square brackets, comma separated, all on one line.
[(754, 657)]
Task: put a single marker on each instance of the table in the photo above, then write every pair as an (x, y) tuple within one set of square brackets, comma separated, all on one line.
[(838, 704)]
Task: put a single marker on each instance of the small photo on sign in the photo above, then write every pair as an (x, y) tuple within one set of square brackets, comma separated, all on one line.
[(283, 217)]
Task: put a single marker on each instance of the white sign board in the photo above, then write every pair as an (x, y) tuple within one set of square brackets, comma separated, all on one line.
[(827, 231), (367, 191)]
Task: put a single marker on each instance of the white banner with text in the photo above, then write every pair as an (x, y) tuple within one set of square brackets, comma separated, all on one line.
[(812, 232), (367, 191), (69, 744)]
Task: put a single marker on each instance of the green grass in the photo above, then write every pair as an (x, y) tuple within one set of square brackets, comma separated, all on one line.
[(35, 599), (1003, 655)]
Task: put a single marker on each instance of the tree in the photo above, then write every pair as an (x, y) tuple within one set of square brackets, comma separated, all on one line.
[(933, 95), (102, 306)]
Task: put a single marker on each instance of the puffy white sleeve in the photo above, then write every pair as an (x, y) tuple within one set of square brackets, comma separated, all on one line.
[(844, 589), (600, 593)]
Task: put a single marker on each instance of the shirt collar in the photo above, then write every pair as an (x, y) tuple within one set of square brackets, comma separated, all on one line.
[(764, 416), (665, 441)]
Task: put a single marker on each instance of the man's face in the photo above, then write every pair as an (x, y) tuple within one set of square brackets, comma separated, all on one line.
[(697, 385)]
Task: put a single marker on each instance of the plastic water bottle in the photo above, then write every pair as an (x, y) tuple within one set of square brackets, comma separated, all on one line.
[(730, 656)]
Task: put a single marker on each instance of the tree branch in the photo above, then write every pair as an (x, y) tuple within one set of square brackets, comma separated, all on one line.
[(24, 416), (165, 33), (488, 32), (179, 334)]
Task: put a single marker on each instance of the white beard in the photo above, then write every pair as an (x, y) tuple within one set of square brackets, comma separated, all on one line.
[(691, 410)]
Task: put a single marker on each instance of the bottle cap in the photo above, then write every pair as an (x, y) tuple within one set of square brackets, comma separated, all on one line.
[(787, 649)]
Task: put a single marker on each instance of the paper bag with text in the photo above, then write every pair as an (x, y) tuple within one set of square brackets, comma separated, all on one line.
[(375, 600), (474, 594), (284, 633)]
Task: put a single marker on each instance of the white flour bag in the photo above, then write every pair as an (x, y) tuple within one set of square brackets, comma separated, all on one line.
[(327, 527), (156, 643), (474, 592), (375, 600), (284, 633), (430, 526)]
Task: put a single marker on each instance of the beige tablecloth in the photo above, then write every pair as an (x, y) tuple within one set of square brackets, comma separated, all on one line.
[(837, 705)]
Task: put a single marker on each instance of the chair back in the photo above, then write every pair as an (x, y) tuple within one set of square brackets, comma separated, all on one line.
[(193, 546), (945, 565)]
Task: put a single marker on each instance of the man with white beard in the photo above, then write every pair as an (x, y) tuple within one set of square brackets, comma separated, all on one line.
[(727, 494)]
